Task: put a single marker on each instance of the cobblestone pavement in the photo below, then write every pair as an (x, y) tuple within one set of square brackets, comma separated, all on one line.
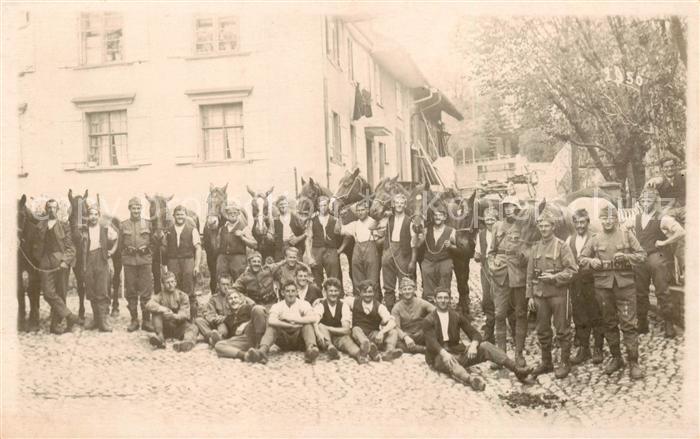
[(94, 382)]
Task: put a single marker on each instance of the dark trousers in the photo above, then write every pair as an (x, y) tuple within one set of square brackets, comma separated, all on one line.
[(586, 313), (394, 268), (236, 345), (553, 310), (343, 343), (205, 328), (184, 273), (619, 307), (97, 282), (655, 269), (297, 339), (327, 260), (138, 287), (55, 285), (461, 270), (233, 265), (365, 266), (435, 274), (506, 298), (485, 352), (171, 328)]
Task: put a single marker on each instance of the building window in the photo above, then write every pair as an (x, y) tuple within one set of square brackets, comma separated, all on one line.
[(216, 34), (399, 99), (336, 146), (222, 132), (399, 152), (353, 145), (382, 160), (377, 83), (333, 40), (351, 64), (107, 138), (101, 36)]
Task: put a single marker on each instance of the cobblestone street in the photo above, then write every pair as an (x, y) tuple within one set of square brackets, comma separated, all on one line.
[(96, 382)]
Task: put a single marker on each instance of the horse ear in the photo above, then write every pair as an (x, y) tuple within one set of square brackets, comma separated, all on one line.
[(267, 194), (150, 200), (23, 200), (356, 172), (225, 187), (85, 196), (311, 180), (169, 198), (472, 198), (70, 195), (396, 178), (302, 181), (98, 200), (211, 187), (541, 206), (250, 191)]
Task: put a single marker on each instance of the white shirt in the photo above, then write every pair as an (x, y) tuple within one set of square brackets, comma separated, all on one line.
[(302, 292), (94, 234), (300, 308), (444, 323), (398, 224), (50, 223), (580, 241), (346, 316), (286, 227), (360, 230), (195, 235), (489, 239)]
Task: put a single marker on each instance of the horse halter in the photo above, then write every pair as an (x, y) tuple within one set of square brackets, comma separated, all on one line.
[(349, 191)]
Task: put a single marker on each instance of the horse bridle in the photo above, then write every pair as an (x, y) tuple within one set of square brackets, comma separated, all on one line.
[(347, 194)]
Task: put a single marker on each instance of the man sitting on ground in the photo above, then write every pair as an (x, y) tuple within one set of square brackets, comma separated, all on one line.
[(246, 322), (372, 324), (446, 353), (170, 311), (335, 321), (408, 315), (290, 327), (211, 324)]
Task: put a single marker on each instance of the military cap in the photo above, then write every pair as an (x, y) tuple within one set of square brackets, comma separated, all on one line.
[(511, 199), (608, 211), (135, 201), (548, 214), (254, 254)]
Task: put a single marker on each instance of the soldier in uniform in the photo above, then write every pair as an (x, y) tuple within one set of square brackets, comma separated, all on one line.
[(231, 243), (656, 268), (100, 244), (399, 256), (550, 268), (612, 254), (211, 324), (436, 268), (584, 306), (171, 316), (257, 281), (183, 250), (324, 245), (54, 249), (137, 243), (507, 259)]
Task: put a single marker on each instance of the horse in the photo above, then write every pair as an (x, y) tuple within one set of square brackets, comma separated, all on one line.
[(161, 219), (26, 229), (115, 223), (352, 188), (216, 202), (78, 226), (263, 222)]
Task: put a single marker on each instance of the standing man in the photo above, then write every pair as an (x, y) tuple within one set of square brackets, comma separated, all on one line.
[(231, 243), (246, 322), (408, 314), (324, 244), (365, 256), (137, 242), (372, 325), (399, 256), (484, 241), (211, 324), (507, 261), (585, 308), (549, 270), (257, 281), (101, 242), (171, 316), (333, 330), (290, 326), (657, 267), (446, 353), (54, 250), (612, 254), (289, 230), (306, 290), (436, 268), (183, 249)]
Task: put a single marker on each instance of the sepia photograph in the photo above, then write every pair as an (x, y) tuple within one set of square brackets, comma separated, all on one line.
[(349, 219)]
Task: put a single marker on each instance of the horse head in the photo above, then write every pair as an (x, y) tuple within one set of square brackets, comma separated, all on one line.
[(383, 196), (78, 209), (352, 188), (216, 201), (307, 200), (260, 208), (158, 211)]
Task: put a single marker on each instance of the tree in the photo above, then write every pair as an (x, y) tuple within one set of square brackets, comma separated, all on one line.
[(613, 86)]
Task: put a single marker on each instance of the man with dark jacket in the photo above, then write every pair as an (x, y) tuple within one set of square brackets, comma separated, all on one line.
[(100, 243), (288, 230), (306, 290), (446, 353), (372, 325), (171, 317), (232, 242), (257, 281), (246, 322), (211, 324), (324, 244), (54, 250), (183, 250)]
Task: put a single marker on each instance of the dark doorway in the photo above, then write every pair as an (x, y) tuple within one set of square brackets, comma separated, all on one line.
[(370, 162)]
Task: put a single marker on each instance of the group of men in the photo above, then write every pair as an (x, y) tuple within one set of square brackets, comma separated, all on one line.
[(604, 277)]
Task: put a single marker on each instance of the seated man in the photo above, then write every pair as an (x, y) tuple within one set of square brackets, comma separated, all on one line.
[(170, 311), (306, 289), (286, 269), (211, 324), (446, 353), (246, 322), (408, 315), (372, 324), (290, 327), (257, 281), (335, 321)]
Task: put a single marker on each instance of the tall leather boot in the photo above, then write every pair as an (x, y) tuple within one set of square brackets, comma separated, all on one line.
[(104, 324), (584, 351), (564, 365), (545, 365), (134, 325), (616, 363), (598, 339)]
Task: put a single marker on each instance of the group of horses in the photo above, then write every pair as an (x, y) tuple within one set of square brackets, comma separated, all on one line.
[(463, 215)]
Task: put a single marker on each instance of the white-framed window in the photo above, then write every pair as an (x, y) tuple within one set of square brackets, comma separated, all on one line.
[(353, 145), (377, 84), (333, 39), (399, 99), (351, 62), (222, 132), (336, 147), (216, 34), (101, 38), (107, 138)]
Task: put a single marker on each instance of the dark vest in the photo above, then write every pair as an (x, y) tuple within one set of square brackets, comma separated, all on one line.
[(230, 244), (404, 239), (186, 248), (324, 238), (104, 245), (296, 230), (677, 191), (329, 319), (648, 236), (50, 242), (368, 322), (435, 251)]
